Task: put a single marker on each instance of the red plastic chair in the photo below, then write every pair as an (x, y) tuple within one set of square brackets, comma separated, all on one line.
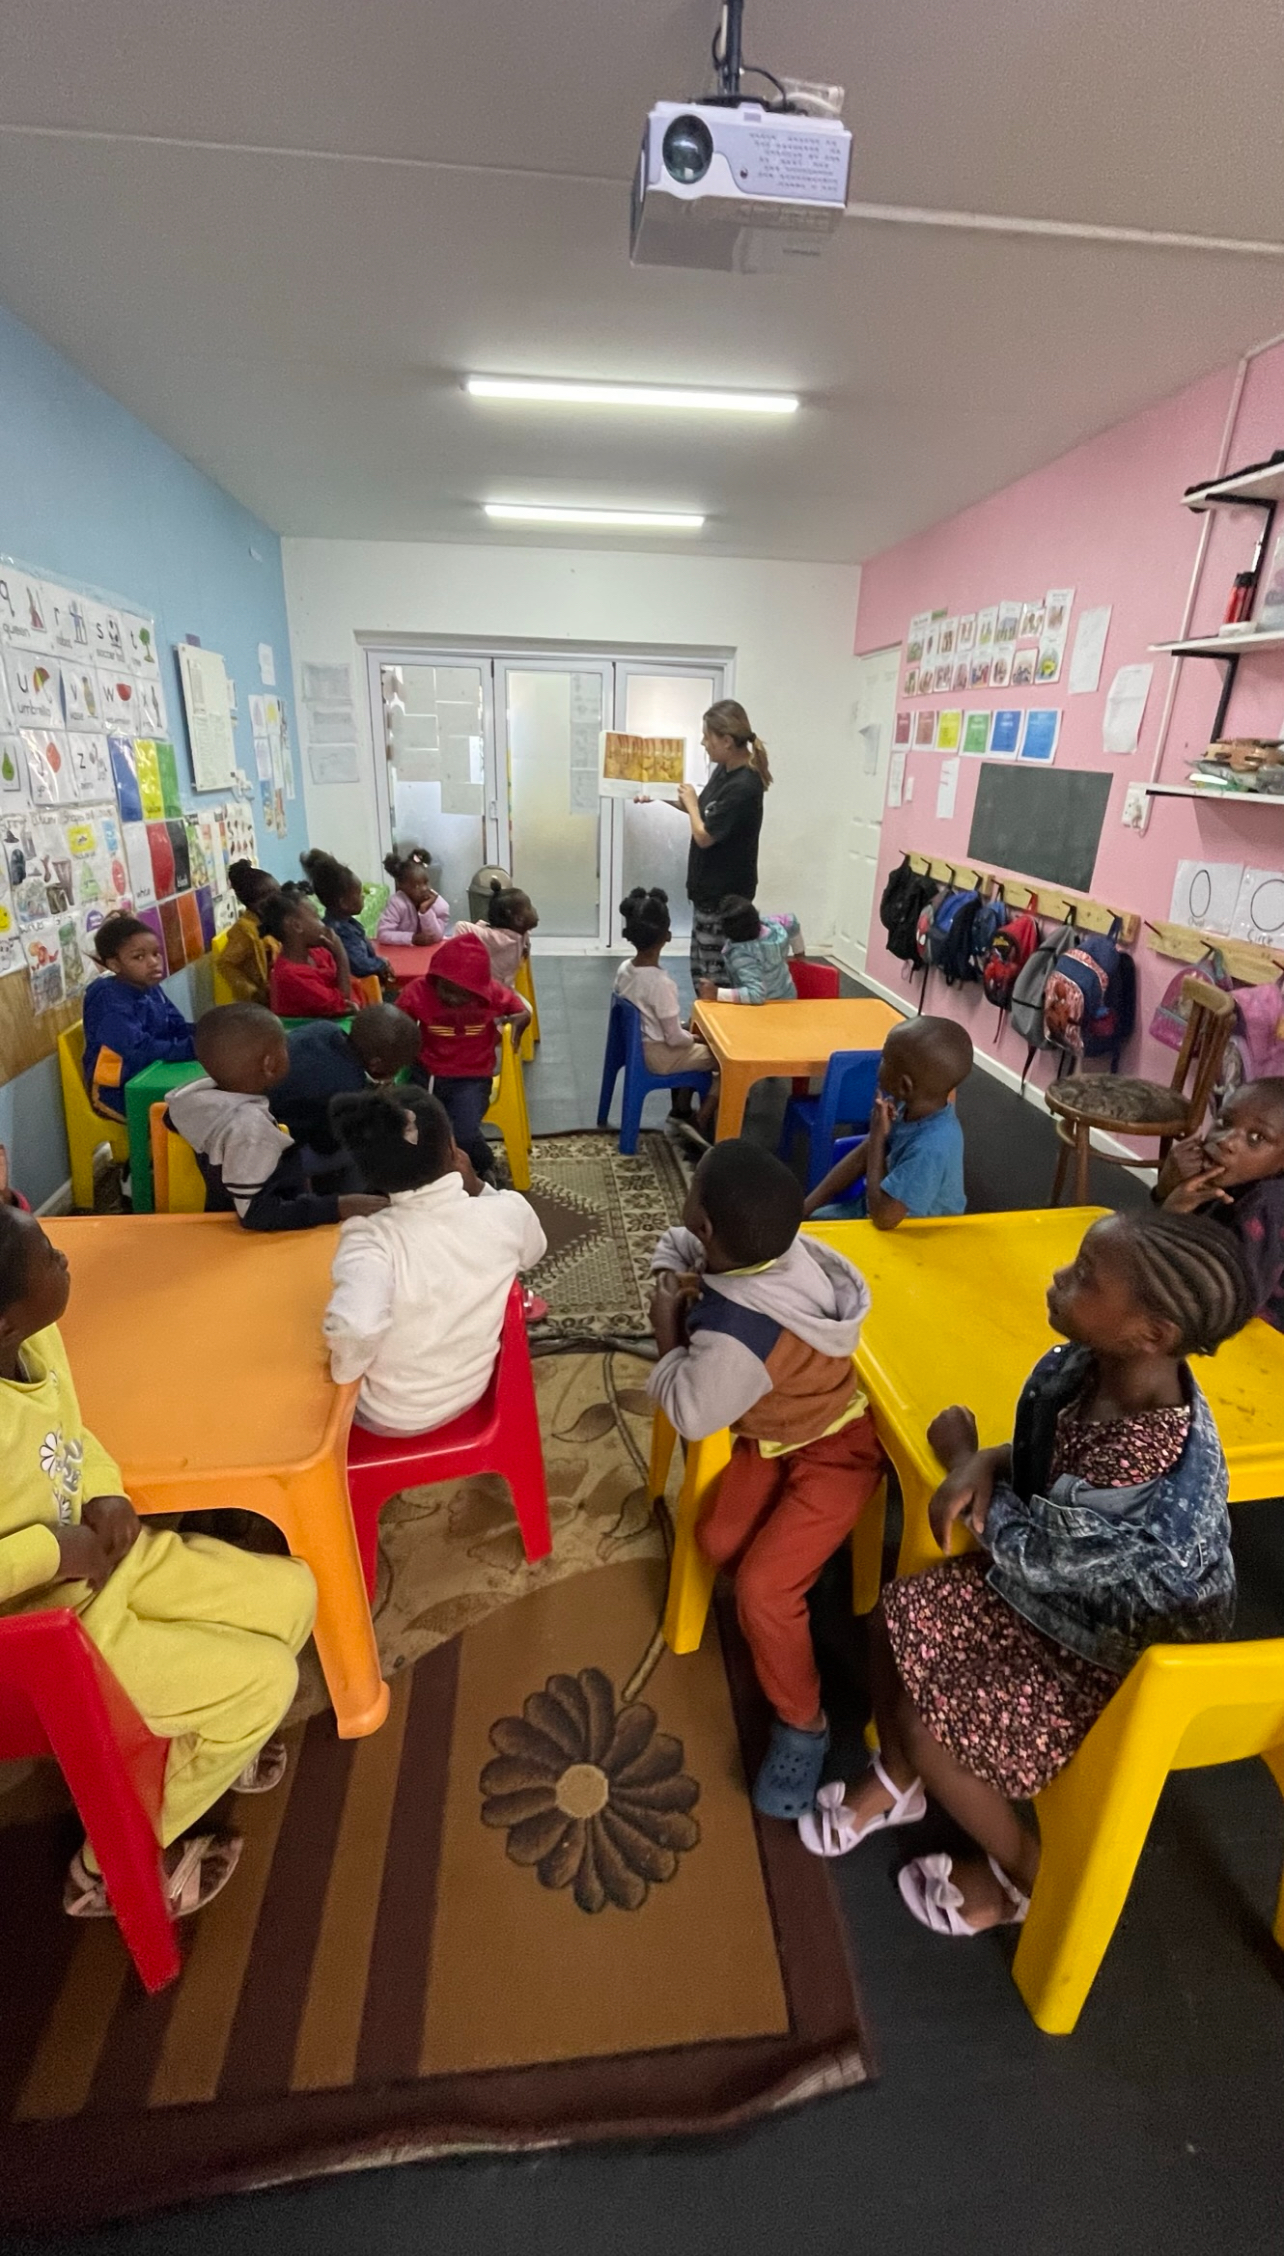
[(500, 1434), (813, 983), (58, 1697)]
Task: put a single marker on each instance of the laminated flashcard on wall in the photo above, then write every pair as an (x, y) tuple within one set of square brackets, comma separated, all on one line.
[(79, 687), (985, 624), (124, 773), (1058, 604), (208, 704), (106, 637), (962, 670), (916, 637), (138, 636), (138, 861), (1030, 624), (24, 611), (976, 734), (150, 789), (1259, 911), (947, 638), (949, 730), (13, 768), (924, 730), (981, 660), (167, 766), (943, 674), (153, 716), (1007, 621), (1005, 732), (90, 767), (34, 694), (50, 776), (44, 965), (1039, 737), (904, 729), (1001, 666), (1024, 662), (966, 639), (68, 622), (117, 698)]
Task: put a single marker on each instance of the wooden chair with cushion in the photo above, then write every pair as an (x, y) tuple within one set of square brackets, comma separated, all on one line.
[(1133, 1107)]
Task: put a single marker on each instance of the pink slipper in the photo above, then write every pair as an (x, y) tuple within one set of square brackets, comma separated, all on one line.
[(828, 1830), (930, 1893)]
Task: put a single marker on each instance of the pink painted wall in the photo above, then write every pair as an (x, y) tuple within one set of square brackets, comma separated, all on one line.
[(1108, 521)]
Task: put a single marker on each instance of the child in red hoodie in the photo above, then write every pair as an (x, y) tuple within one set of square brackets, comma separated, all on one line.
[(459, 1009)]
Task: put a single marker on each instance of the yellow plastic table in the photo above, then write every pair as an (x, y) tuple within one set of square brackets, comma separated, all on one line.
[(958, 1315), (199, 1362), (765, 1041)]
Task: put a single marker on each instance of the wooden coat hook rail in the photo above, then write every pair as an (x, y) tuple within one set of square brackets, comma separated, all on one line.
[(1040, 900), (1246, 962)]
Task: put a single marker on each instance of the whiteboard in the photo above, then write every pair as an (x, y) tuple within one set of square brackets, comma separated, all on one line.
[(208, 704)]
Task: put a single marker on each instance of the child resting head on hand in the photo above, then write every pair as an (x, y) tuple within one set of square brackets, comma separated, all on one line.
[(1236, 1171)]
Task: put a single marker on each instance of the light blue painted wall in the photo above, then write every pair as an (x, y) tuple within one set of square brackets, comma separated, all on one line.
[(92, 497)]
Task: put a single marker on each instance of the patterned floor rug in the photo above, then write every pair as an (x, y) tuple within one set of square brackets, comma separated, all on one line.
[(534, 1908), (602, 1213)]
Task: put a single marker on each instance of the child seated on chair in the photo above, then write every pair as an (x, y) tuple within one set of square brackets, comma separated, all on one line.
[(341, 893), (130, 1022), (756, 956), (202, 1638), (912, 1157), (756, 1328), (1103, 1529), (243, 958), (1237, 1172), (326, 1062), (506, 931), (416, 916), (251, 1167), (668, 1045), (310, 977), (459, 1009), (420, 1289)]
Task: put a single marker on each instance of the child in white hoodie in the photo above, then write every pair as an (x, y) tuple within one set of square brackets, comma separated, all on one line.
[(756, 1328), (420, 1287)]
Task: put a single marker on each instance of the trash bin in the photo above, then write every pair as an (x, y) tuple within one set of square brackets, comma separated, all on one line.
[(479, 890)]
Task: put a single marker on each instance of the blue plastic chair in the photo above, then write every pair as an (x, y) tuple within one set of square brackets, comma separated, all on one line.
[(846, 1100), (624, 1051), (851, 1206)]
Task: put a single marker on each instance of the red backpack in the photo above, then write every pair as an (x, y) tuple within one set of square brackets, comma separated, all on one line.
[(1010, 950)]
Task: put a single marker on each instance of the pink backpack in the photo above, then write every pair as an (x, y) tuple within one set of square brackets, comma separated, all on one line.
[(1168, 1023), (1255, 1051)]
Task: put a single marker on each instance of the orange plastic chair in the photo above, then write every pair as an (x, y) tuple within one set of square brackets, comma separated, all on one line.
[(367, 989), (500, 1434), (691, 1576), (58, 1697), (178, 1186)]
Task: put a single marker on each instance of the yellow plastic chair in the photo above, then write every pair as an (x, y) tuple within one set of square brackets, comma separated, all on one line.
[(178, 1186), (369, 987), (1180, 1708), (524, 985), (508, 1112), (86, 1129), (222, 990), (691, 1576)]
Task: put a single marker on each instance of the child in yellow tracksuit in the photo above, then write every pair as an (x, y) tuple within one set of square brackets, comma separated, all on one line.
[(202, 1637)]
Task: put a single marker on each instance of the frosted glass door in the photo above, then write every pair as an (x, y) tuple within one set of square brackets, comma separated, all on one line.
[(656, 838), (553, 716), (436, 720)]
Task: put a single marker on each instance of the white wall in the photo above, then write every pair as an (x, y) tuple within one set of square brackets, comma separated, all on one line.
[(790, 627)]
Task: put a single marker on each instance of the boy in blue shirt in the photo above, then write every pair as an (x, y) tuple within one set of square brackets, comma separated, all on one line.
[(912, 1158), (130, 1021)]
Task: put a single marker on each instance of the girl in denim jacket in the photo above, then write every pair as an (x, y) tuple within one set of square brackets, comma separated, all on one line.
[(1103, 1529)]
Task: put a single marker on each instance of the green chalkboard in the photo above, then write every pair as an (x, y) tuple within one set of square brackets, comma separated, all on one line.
[(1040, 822)]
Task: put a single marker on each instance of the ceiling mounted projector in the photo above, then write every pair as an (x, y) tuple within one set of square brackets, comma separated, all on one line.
[(737, 184)]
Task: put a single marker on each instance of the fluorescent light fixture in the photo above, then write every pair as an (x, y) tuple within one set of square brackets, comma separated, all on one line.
[(630, 395), (634, 520)]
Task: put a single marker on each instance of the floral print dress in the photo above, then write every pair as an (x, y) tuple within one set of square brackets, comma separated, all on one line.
[(1009, 1703)]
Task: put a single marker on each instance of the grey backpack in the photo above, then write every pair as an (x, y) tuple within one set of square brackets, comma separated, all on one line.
[(1027, 992)]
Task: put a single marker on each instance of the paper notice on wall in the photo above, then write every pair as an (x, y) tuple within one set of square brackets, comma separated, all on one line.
[(208, 701), (1259, 911), (333, 763), (1206, 894), (327, 685), (1125, 706), (947, 784), (586, 703), (584, 793), (1089, 650), (267, 665), (896, 779), (333, 724)]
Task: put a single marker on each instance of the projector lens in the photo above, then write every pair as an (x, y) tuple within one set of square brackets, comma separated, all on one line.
[(687, 149)]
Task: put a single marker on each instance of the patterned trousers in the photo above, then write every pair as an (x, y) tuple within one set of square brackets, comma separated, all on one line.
[(707, 943)]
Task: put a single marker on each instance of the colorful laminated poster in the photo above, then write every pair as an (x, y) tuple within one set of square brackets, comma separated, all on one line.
[(204, 899), (140, 652), (967, 632), (90, 768), (182, 860), (976, 734), (1001, 666), (193, 933), (979, 668), (985, 625), (962, 671), (13, 955), (106, 636), (911, 686), (50, 776), (153, 716), (1007, 621), (35, 693), (173, 941), (1024, 662), (138, 863), (168, 767), (924, 730), (151, 917), (196, 860), (100, 879), (124, 773), (903, 732), (13, 768), (1005, 733), (68, 624), (75, 973), (949, 730), (117, 700), (44, 963), (947, 638), (24, 611), (1056, 631), (914, 640), (226, 907), (150, 789), (931, 639), (160, 847), (79, 695), (212, 848), (1042, 728), (943, 675), (1031, 622)]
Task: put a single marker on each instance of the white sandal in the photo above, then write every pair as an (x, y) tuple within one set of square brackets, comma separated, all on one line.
[(930, 1893), (828, 1830), (187, 1887), (264, 1770)]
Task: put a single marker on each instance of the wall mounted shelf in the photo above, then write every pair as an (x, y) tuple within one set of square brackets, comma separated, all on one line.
[(1219, 646), (1240, 489), (1214, 798)]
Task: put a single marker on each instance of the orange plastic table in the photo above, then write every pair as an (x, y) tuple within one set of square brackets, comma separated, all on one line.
[(199, 1362), (408, 963), (762, 1041)]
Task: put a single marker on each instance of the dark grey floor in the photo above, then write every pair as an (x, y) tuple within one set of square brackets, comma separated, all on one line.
[(1156, 2127)]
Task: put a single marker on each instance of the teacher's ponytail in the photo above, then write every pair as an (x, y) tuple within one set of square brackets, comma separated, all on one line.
[(728, 718)]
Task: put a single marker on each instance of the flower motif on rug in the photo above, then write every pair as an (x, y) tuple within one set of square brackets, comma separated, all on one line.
[(591, 1794)]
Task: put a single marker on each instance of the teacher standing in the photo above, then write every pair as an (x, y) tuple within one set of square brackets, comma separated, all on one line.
[(725, 820)]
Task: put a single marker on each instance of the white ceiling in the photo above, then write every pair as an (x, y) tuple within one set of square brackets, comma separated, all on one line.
[(386, 195)]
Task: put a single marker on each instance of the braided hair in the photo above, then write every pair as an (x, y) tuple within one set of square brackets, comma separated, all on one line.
[(250, 884), (505, 904), (1188, 1270), (400, 1138), (645, 916), (328, 878)]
